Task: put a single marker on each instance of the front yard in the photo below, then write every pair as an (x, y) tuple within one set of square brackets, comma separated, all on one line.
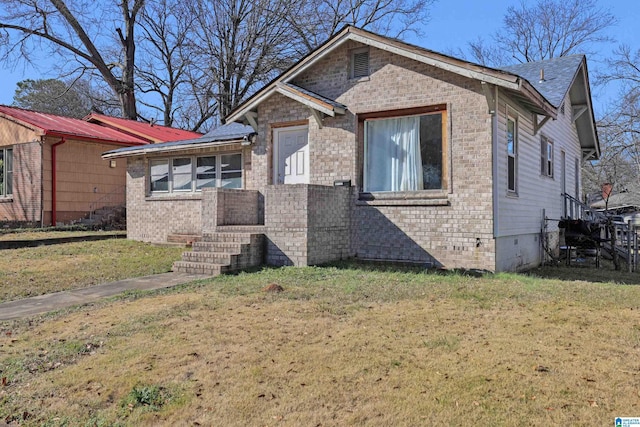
[(345, 345), (29, 272)]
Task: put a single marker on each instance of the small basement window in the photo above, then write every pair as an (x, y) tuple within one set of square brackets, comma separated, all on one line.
[(359, 63)]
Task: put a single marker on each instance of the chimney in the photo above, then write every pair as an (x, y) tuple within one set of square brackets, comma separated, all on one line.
[(606, 190), (541, 75)]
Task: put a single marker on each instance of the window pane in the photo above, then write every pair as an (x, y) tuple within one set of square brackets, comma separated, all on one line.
[(9, 172), (231, 162), (231, 180), (511, 130), (159, 173), (182, 174), (2, 168), (206, 172), (431, 150), (404, 154), (231, 165), (512, 173)]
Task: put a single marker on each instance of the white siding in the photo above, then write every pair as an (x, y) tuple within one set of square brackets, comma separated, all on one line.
[(521, 215)]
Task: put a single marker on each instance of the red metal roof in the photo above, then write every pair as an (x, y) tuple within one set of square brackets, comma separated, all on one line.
[(148, 131), (52, 125)]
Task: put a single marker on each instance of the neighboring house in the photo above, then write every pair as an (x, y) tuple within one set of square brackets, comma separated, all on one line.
[(148, 131), (617, 203), (372, 148), (51, 167)]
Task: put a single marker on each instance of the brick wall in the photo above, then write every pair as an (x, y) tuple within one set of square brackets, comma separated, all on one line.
[(152, 219), (307, 224), (452, 228), (225, 206), (329, 223)]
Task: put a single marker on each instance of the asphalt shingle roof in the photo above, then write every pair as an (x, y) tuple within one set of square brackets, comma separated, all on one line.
[(558, 76), (230, 132)]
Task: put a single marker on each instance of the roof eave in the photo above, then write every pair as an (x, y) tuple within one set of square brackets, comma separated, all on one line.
[(92, 138), (460, 67), (546, 108), (35, 128), (156, 149)]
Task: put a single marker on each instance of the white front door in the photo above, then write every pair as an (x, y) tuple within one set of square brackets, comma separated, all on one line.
[(291, 155)]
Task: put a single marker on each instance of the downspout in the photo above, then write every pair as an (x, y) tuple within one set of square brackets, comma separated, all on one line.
[(53, 181), (42, 142), (494, 145)]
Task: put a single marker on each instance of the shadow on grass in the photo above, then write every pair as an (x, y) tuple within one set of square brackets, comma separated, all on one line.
[(402, 267), (605, 274)]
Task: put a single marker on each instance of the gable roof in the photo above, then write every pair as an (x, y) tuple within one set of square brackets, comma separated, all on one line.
[(519, 87), (45, 124), (228, 134), (147, 131), (555, 79), (558, 74), (521, 82)]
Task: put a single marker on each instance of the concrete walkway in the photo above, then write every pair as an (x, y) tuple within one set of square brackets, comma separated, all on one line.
[(59, 300)]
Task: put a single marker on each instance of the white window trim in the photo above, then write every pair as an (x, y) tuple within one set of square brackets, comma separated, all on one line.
[(194, 172)]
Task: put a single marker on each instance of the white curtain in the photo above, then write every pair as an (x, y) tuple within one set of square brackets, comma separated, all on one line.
[(392, 155)]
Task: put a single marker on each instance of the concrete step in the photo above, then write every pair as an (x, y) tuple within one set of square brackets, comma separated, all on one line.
[(199, 268), (184, 238), (251, 229), (227, 252), (228, 237), (220, 247), (208, 257)]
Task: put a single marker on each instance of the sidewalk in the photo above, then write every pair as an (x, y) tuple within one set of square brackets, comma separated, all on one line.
[(59, 300)]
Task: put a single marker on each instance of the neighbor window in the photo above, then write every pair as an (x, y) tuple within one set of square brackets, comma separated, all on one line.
[(546, 156), (6, 172), (185, 174), (404, 153), (359, 63), (512, 154)]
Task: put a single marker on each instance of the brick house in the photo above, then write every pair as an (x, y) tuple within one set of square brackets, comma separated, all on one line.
[(51, 170), (372, 148)]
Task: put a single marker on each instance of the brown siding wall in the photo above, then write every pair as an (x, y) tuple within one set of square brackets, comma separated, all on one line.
[(84, 179), (23, 207)]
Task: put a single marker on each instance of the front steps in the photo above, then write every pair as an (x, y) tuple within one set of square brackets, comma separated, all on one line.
[(233, 249)]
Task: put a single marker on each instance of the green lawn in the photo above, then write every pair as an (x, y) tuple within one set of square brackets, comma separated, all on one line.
[(345, 345), (34, 271)]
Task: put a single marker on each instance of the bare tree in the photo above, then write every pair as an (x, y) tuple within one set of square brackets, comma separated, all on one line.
[(71, 31), (163, 62), (320, 19), (239, 45), (543, 30), (620, 127), (244, 44)]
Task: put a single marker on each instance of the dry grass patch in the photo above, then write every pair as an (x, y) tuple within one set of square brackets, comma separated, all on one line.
[(31, 234), (34, 271), (337, 347)]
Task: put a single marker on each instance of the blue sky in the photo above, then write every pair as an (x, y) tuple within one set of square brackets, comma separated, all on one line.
[(453, 24)]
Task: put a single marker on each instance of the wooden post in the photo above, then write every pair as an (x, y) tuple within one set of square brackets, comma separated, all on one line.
[(629, 259)]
